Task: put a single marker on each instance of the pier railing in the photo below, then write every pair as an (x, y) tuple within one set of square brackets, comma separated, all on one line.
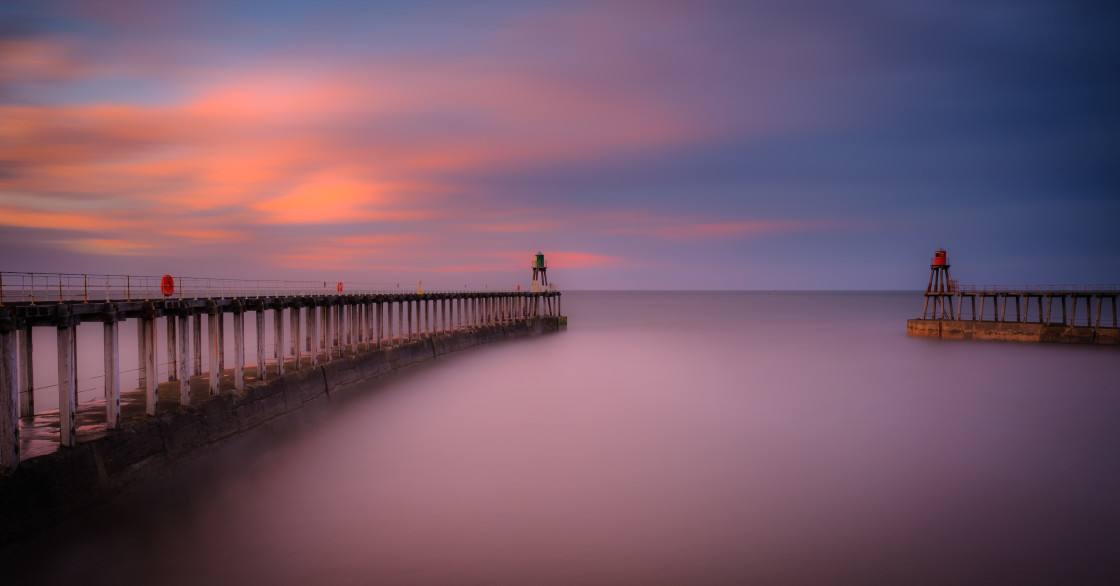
[(16, 287), (1039, 289)]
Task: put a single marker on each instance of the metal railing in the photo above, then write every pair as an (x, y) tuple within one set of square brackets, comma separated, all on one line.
[(37, 288), (1036, 289)]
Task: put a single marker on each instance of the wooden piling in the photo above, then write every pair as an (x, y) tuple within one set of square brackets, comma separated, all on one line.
[(10, 396), (278, 345), (151, 388), (67, 386), (172, 354), (262, 366), (141, 352), (212, 319), (196, 343), (377, 326), (184, 359), (313, 331), (239, 350), (112, 373), (293, 325), (26, 373)]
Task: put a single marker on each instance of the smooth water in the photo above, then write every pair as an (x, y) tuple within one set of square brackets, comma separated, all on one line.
[(664, 438)]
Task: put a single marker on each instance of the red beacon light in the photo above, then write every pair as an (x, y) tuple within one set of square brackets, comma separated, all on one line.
[(940, 259)]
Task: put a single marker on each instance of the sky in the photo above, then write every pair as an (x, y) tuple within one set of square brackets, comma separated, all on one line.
[(646, 144)]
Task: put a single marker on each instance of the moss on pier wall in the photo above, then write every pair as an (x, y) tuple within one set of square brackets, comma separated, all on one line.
[(1012, 331), (47, 489)]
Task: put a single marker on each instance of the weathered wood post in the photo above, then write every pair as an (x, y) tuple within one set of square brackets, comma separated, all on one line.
[(196, 343), (221, 340), (238, 347), (293, 330), (400, 321), (184, 359), (172, 354), (409, 303), (262, 366), (212, 319), (151, 389), (141, 353), (377, 327), (26, 373), (112, 371), (9, 397), (313, 331), (389, 320), (355, 326), (311, 334), (278, 342), (293, 326), (67, 384)]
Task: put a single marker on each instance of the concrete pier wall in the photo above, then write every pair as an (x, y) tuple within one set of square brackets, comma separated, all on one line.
[(47, 489), (1012, 331)]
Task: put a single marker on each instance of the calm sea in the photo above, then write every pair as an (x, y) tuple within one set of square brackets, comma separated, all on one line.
[(664, 438)]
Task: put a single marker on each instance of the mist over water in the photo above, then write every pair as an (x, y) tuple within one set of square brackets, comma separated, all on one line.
[(664, 438)]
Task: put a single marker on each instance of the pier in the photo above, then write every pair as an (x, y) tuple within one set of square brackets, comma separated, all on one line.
[(312, 324), (1084, 314)]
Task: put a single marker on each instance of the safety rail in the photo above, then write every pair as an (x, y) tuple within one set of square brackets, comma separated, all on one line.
[(16, 287), (1032, 289)]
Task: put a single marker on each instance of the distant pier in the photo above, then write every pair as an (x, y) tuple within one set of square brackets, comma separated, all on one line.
[(1076, 314)]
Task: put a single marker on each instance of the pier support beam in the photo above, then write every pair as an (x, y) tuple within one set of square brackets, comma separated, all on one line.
[(262, 366), (141, 352), (377, 327), (278, 338), (26, 374), (293, 331), (239, 350), (389, 322), (112, 374), (67, 386), (151, 389), (313, 333), (212, 329), (184, 359), (172, 355), (196, 343), (9, 400)]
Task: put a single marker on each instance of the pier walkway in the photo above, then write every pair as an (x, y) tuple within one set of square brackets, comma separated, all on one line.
[(310, 323)]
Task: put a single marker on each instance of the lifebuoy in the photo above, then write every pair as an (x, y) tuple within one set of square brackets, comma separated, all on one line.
[(340, 287), (167, 286)]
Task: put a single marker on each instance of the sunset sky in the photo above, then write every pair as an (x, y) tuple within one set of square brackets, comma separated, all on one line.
[(795, 144)]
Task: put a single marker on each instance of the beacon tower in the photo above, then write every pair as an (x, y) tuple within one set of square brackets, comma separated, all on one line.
[(540, 273)]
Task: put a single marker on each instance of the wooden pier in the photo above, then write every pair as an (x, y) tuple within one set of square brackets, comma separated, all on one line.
[(325, 322), (1056, 317)]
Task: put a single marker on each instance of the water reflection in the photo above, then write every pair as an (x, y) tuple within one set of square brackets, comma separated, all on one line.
[(665, 438)]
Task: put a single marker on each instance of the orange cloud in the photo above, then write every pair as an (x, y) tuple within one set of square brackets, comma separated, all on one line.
[(110, 247), (60, 220), (330, 202), (204, 235)]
